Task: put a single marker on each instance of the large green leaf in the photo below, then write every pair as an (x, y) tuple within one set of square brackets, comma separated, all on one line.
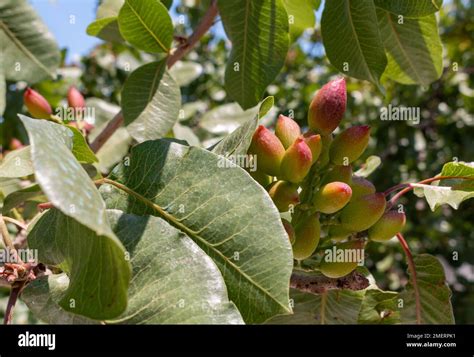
[(173, 280), (435, 295), (151, 100), (300, 16), (29, 51), (258, 30), (413, 46), (220, 207), (42, 296), (61, 177), (106, 25), (160, 256), (410, 8), (17, 163), (96, 264), (352, 40), (238, 142), (453, 191), (146, 25)]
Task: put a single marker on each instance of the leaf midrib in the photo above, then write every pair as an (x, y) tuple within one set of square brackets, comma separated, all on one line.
[(23, 49), (169, 218), (163, 47)]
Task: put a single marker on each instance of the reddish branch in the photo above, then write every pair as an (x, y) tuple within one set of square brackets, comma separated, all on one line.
[(14, 294), (184, 47), (411, 267)]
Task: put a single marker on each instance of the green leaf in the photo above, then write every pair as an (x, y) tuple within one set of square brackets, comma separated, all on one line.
[(413, 47), (184, 72), (460, 168), (379, 307), (98, 271), (352, 40), (226, 118), (19, 197), (30, 52), (17, 163), (300, 16), (410, 8), (106, 29), (370, 165), (220, 208), (42, 296), (258, 30), (173, 281), (61, 177), (80, 148), (151, 100), (146, 25), (435, 295), (238, 142)]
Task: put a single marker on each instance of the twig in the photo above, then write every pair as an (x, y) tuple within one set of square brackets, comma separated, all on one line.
[(14, 293), (319, 284), (5, 235), (181, 51), (15, 222), (411, 267)]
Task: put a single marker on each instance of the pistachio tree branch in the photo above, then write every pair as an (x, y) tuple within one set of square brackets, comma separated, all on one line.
[(411, 267), (12, 299), (319, 284), (179, 53)]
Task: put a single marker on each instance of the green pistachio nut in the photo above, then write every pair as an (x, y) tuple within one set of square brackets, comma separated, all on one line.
[(284, 195), (289, 230), (268, 150), (287, 130), (362, 213), (361, 187), (315, 144), (307, 232), (332, 197), (387, 226), (340, 173), (296, 162), (349, 145), (341, 259)]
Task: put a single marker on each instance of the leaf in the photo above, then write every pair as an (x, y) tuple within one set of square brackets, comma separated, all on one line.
[(42, 296), (146, 25), (80, 148), (221, 209), (352, 40), (410, 8), (17, 163), (19, 197), (184, 72), (379, 307), (300, 16), (106, 29), (460, 168), (61, 177), (173, 280), (413, 47), (258, 30), (98, 272), (114, 150), (370, 165), (30, 52), (238, 142), (150, 102), (435, 295), (226, 118)]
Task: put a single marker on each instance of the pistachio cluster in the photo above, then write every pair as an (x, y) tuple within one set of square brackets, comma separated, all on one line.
[(310, 174)]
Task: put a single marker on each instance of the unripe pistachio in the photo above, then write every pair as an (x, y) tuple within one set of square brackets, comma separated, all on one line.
[(268, 149), (308, 232), (387, 226), (75, 98), (361, 187), (287, 130), (338, 233), (36, 104), (339, 173), (315, 145), (363, 212), (327, 107), (349, 145), (341, 259), (289, 230), (261, 178), (332, 197), (284, 195), (296, 162)]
